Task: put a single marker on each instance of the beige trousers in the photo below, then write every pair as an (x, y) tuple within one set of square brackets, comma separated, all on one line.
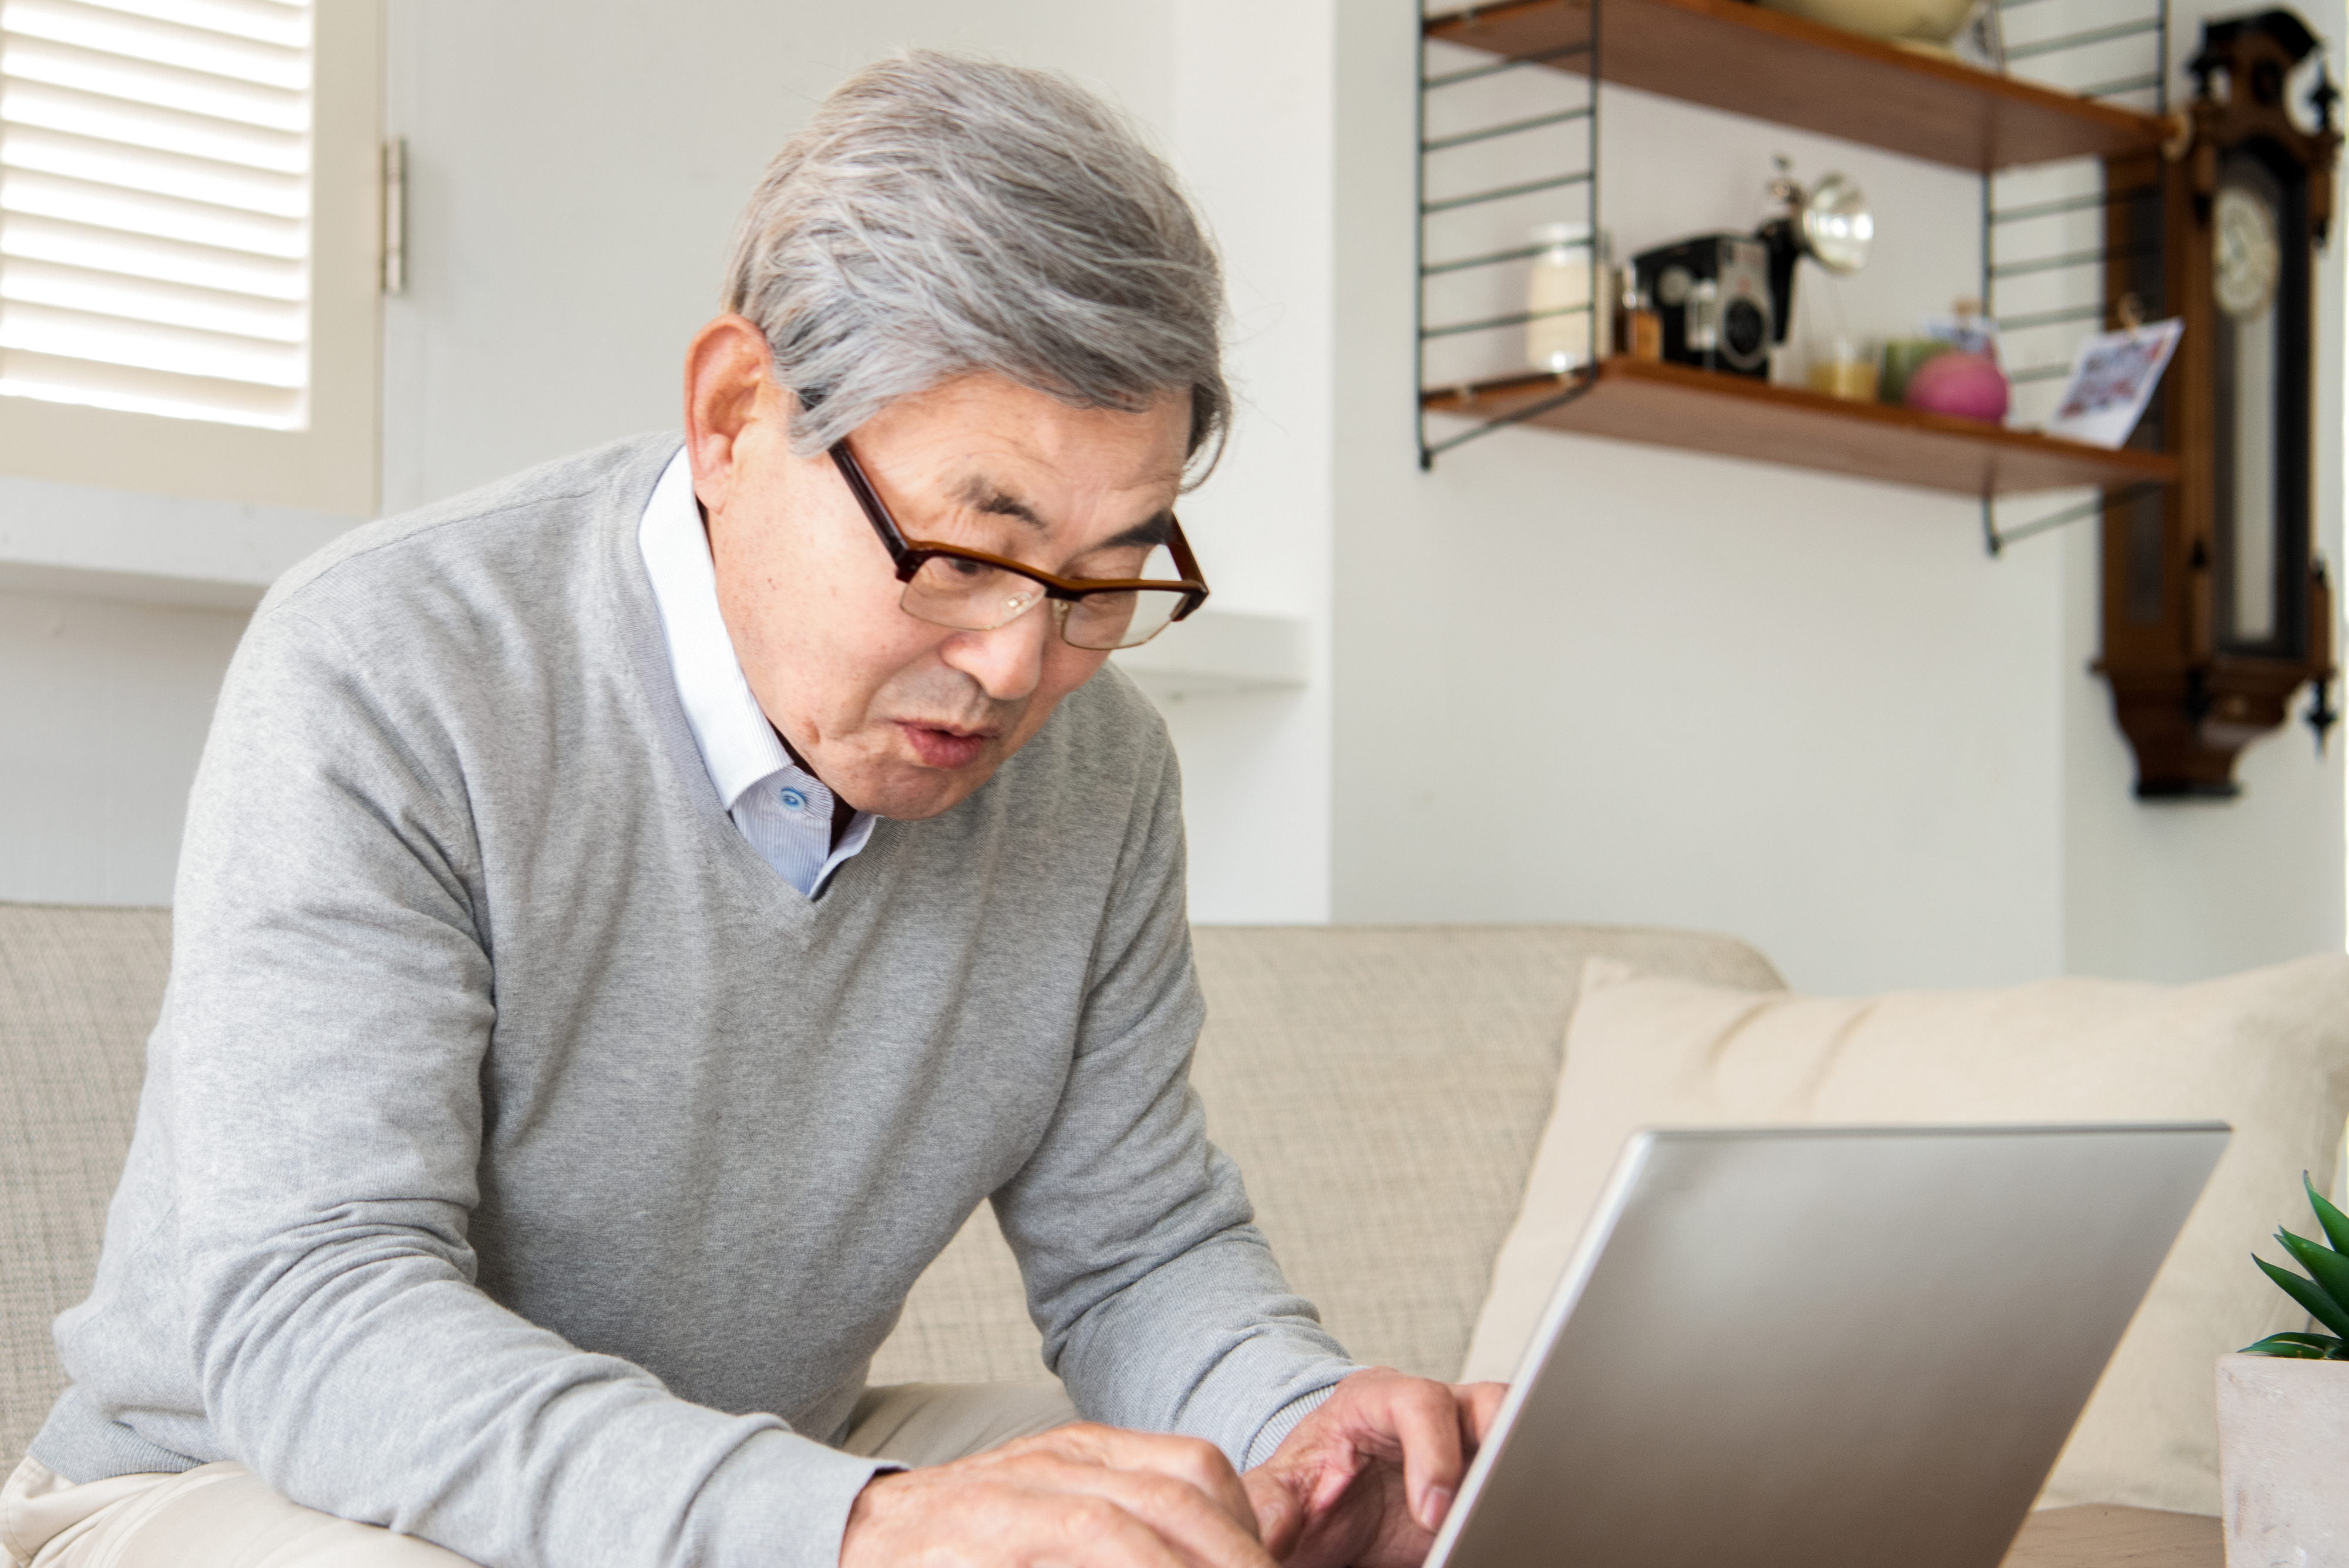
[(221, 1516)]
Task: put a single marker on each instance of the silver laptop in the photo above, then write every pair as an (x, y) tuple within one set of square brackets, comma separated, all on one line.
[(1824, 1347)]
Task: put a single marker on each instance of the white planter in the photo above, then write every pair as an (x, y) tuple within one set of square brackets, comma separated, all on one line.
[(2284, 1458)]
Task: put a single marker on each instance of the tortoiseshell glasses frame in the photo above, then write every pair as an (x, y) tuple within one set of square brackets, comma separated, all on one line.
[(946, 585)]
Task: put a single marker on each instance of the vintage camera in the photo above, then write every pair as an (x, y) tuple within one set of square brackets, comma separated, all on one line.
[(1713, 294)]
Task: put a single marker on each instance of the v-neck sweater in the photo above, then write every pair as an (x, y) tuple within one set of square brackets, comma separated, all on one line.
[(522, 1164)]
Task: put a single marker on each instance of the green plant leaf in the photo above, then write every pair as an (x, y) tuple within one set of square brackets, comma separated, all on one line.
[(2317, 1304), (2297, 1347), (2328, 1268), (2289, 1348), (2335, 1223)]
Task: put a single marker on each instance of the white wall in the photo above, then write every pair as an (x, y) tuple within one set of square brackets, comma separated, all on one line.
[(103, 708), (1251, 134), (118, 614)]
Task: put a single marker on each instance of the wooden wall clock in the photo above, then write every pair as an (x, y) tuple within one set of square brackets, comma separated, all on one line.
[(2217, 609)]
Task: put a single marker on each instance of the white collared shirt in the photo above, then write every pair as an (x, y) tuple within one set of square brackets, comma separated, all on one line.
[(783, 809)]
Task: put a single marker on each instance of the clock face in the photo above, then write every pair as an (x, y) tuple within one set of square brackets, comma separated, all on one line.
[(2247, 259)]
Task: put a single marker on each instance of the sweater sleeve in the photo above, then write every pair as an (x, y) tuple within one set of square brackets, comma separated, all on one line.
[(331, 1004), (1160, 1306)]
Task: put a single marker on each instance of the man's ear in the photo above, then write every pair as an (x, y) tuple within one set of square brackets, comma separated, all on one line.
[(731, 404)]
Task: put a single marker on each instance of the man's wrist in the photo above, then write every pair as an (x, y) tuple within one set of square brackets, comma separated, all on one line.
[(1285, 1421)]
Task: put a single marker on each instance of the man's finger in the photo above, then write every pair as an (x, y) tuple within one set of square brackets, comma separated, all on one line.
[(1480, 1406), (1426, 1421), (1279, 1513)]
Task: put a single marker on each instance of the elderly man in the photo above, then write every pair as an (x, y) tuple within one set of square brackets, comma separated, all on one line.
[(630, 917)]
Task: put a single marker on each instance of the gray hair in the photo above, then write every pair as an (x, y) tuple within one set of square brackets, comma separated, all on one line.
[(941, 216)]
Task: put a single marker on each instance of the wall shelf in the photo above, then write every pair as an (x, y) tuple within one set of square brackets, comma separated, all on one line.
[(1731, 54), (88, 542), (1733, 416), (1219, 653)]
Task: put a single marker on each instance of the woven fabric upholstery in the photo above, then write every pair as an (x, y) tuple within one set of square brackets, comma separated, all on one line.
[(1382, 1089), (80, 990)]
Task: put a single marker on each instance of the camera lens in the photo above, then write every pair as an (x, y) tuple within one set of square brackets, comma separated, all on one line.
[(1742, 329)]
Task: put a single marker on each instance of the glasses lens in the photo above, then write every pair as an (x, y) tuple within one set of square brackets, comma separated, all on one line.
[(1121, 619), (1127, 620), (970, 595)]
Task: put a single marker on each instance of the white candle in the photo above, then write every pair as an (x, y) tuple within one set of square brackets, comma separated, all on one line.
[(1558, 299)]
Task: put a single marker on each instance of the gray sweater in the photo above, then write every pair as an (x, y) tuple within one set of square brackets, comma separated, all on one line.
[(523, 1165)]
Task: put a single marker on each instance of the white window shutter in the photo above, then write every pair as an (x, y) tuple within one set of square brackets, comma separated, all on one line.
[(155, 206)]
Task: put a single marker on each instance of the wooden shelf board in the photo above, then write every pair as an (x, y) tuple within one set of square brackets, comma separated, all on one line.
[(1738, 57), (1735, 416)]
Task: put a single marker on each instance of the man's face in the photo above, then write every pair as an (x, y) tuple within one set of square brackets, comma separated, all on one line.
[(897, 716)]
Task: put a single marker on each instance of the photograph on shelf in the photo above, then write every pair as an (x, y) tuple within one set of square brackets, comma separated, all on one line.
[(2113, 378)]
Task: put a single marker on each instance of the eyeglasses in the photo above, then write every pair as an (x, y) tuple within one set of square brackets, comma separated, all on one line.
[(971, 590)]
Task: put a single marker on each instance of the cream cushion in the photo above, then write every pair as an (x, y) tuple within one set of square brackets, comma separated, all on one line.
[(2266, 1052)]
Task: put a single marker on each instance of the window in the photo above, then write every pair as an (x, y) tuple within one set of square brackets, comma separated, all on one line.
[(189, 250)]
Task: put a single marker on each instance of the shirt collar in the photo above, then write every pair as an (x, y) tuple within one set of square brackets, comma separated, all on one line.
[(739, 746)]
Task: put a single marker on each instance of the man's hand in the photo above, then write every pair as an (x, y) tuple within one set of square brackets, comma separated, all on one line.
[(1084, 1494), (1366, 1479)]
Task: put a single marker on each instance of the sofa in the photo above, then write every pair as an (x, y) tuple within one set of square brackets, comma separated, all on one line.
[(1386, 1091)]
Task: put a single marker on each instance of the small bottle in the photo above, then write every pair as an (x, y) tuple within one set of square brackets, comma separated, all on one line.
[(1643, 328), (1975, 335)]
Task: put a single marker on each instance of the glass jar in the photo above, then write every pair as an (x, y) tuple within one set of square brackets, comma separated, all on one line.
[(1561, 304)]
